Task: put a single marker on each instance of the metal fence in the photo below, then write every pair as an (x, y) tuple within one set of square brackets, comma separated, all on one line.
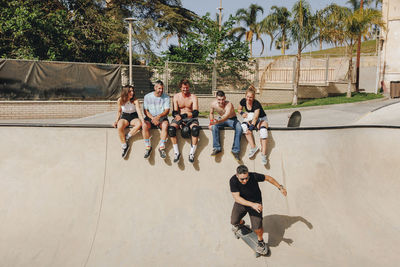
[(206, 78)]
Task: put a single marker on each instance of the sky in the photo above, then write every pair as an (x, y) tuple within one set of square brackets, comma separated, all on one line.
[(201, 7)]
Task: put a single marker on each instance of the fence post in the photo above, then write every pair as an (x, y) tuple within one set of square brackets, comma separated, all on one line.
[(166, 76), (214, 76), (327, 71)]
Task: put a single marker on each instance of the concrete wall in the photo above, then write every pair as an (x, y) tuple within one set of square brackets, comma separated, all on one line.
[(53, 109)]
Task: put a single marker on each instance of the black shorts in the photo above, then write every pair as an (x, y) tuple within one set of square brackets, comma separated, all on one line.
[(152, 125), (239, 211), (186, 121), (129, 116)]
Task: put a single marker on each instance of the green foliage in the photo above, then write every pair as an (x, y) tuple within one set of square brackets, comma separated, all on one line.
[(205, 43), (214, 51), (278, 23), (86, 30), (249, 17), (48, 30)]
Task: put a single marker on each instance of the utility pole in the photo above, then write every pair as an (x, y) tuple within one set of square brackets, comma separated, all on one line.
[(220, 14), (358, 55), (130, 21)]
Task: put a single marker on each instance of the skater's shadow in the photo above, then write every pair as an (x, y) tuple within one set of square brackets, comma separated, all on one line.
[(276, 225)]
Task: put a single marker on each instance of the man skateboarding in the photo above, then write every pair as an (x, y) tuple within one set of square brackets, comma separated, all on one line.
[(227, 119), (185, 113), (247, 195)]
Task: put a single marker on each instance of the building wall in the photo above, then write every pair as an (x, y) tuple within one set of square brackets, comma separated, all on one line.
[(390, 55)]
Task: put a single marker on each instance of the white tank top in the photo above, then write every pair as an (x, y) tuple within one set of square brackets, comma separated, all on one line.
[(129, 107)]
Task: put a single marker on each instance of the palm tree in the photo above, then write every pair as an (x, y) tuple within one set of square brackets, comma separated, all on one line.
[(249, 17), (280, 17), (353, 24), (175, 21), (326, 21), (269, 27), (303, 32)]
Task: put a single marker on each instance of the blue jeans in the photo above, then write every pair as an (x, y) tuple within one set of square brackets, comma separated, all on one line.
[(232, 123)]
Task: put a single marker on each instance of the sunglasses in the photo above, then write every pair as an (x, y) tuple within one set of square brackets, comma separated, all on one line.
[(244, 179)]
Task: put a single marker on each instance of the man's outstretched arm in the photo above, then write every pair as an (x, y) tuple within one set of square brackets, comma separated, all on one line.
[(274, 182)]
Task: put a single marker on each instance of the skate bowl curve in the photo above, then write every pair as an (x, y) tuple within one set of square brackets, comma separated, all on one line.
[(68, 199)]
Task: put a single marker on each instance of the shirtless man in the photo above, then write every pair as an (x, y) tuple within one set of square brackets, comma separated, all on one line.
[(184, 116), (227, 119)]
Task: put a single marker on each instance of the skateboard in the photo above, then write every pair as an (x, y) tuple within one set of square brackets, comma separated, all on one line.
[(250, 238), (294, 119)]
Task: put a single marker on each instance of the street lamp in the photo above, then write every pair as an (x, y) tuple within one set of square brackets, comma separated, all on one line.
[(130, 21)]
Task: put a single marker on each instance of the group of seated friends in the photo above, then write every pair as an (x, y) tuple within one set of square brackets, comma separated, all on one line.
[(156, 108)]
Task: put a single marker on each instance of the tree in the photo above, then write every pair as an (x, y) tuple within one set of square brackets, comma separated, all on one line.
[(29, 30), (327, 19), (353, 24), (202, 44), (303, 32), (280, 17), (216, 52), (252, 27), (86, 30)]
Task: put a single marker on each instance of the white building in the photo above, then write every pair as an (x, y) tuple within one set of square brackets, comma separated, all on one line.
[(390, 42)]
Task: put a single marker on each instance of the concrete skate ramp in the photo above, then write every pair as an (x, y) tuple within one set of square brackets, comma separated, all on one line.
[(386, 115), (68, 199)]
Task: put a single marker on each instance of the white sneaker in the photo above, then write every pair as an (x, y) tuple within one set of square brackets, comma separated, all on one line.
[(261, 248), (264, 159), (252, 152)]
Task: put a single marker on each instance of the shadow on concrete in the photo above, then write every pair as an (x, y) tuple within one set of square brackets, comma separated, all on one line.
[(275, 225), (270, 147)]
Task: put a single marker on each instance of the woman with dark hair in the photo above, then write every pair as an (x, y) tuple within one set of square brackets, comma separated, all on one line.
[(129, 113), (254, 118)]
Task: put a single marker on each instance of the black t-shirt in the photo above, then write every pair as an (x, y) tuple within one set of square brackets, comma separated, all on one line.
[(249, 191), (256, 105)]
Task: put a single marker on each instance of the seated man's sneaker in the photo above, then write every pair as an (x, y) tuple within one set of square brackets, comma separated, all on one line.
[(147, 152), (215, 152), (177, 157), (191, 158), (163, 154)]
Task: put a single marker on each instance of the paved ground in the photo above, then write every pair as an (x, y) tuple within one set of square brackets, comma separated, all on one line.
[(68, 199)]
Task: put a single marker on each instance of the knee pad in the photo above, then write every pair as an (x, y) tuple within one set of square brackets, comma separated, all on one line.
[(185, 132), (263, 132), (171, 131), (196, 131), (245, 127)]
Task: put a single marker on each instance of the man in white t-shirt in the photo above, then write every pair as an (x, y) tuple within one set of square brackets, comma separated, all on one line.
[(156, 109)]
